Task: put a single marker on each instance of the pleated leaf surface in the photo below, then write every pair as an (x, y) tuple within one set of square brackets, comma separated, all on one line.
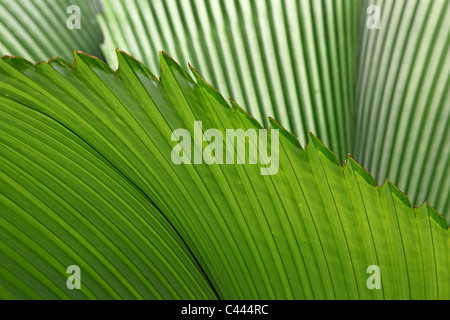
[(87, 179)]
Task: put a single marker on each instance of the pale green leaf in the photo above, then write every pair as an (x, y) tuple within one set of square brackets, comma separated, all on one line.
[(402, 121), (38, 30)]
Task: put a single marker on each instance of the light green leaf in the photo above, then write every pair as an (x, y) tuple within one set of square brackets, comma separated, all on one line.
[(87, 178), (403, 99), (38, 30)]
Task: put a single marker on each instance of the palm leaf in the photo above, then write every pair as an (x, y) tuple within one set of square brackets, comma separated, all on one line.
[(87, 179), (37, 30), (402, 122)]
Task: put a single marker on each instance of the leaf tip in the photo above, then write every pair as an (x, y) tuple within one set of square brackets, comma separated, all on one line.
[(437, 217), (398, 193), (322, 148), (168, 63), (244, 113), (356, 167), (277, 126)]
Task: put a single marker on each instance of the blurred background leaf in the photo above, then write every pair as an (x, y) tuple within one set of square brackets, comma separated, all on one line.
[(37, 30), (402, 122)]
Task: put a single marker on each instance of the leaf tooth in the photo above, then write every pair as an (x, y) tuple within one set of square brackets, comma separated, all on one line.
[(398, 193), (246, 115), (134, 64), (356, 167), (173, 66), (92, 62), (290, 136), (18, 63), (322, 148), (437, 217), (202, 83)]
